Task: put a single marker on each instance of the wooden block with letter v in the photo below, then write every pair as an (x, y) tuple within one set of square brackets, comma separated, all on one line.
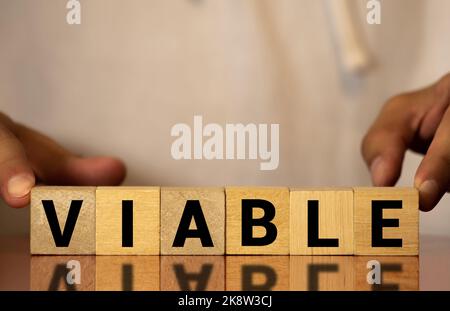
[(62, 220), (386, 221), (127, 220), (257, 220), (192, 221), (321, 221)]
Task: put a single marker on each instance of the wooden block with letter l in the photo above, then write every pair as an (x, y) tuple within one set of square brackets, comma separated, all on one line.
[(127, 220), (386, 221), (321, 221), (257, 220), (62, 220), (192, 221)]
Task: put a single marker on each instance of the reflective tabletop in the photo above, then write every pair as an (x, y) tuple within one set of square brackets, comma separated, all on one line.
[(20, 271)]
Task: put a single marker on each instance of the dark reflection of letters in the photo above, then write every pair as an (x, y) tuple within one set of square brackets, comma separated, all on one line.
[(57, 273), (127, 273), (248, 273), (200, 279), (393, 267), (252, 273), (313, 274), (127, 277), (59, 277), (192, 273)]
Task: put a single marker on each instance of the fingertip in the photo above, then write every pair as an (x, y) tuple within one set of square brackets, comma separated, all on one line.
[(384, 172), (16, 191), (429, 194)]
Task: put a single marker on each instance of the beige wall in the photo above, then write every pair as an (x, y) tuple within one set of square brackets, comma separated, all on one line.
[(117, 83)]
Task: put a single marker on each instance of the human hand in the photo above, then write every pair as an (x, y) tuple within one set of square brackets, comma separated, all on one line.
[(419, 121), (27, 157)]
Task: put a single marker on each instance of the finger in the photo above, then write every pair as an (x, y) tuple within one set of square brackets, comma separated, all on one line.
[(16, 174), (433, 175), (386, 142), (55, 165)]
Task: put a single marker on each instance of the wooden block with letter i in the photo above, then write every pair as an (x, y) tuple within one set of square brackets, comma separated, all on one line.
[(127, 220), (321, 221), (192, 221), (386, 221), (257, 220), (62, 220)]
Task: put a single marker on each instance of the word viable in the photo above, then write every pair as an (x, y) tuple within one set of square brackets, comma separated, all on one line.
[(230, 220)]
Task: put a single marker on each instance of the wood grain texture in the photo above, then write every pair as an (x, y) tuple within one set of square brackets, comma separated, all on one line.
[(321, 273), (146, 220), (279, 197), (49, 273), (335, 207), (408, 216), (192, 273), (247, 273), (127, 273), (397, 273), (83, 236), (212, 202)]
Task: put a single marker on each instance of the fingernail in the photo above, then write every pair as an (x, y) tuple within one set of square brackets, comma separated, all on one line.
[(377, 170), (429, 188), (20, 185)]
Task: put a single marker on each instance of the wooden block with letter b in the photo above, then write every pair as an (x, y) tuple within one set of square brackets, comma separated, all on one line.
[(321, 221), (257, 220), (386, 221), (181, 208), (62, 220), (127, 220)]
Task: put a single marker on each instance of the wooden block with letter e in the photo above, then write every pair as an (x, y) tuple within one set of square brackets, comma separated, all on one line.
[(321, 221), (62, 220), (386, 221), (257, 220), (128, 221), (192, 221)]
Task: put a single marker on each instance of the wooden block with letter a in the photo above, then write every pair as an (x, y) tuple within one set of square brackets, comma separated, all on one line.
[(257, 220), (185, 208), (321, 221), (62, 220), (386, 221), (127, 220)]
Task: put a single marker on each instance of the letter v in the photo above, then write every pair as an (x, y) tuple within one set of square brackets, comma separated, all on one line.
[(62, 239)]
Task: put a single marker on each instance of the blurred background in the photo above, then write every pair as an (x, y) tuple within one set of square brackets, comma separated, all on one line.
[(117, 83)]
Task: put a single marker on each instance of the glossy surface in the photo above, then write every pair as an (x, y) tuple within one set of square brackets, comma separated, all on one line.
[(20, 271)]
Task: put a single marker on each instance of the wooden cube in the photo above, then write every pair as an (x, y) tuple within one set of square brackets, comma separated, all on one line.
[(128, 221), (62, 273), (386, 221), (62, 220), (192, 221), (127, 273), (321, 273), (257, 220), (192, 273), (394, 273), (260, 273), (321, 221)]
